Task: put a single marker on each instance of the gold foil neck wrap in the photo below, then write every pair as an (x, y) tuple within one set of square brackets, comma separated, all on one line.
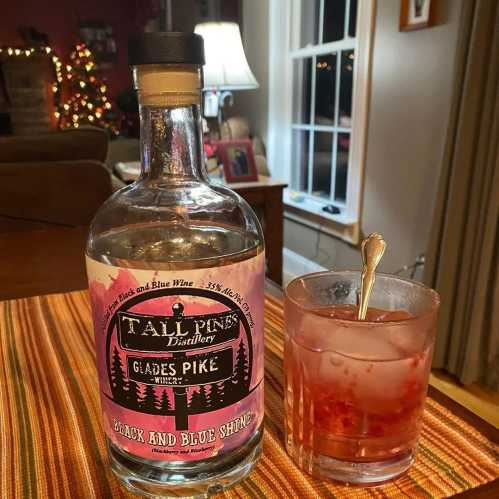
[(159, 85)]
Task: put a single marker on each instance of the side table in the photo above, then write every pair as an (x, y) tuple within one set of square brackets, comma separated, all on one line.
[(265, 196)]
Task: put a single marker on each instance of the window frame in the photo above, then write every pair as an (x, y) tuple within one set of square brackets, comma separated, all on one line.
[(284, 36)]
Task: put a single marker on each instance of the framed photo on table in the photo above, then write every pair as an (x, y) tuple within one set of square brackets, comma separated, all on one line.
[(238, 160), (417, 14)]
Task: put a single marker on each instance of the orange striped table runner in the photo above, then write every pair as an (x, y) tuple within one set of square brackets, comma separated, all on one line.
[(52, 443)]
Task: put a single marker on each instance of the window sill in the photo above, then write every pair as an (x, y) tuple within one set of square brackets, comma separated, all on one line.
[(315, 206), (309, 212)]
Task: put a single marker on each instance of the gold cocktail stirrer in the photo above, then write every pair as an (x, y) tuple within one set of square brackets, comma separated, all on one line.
[(372, 250)]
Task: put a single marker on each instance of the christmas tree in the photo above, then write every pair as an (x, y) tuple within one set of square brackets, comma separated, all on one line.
[(88, 103)]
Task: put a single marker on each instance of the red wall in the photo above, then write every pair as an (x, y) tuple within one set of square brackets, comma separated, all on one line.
[(59, 19)]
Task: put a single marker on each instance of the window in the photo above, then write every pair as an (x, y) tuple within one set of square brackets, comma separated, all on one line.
[(321, 111)]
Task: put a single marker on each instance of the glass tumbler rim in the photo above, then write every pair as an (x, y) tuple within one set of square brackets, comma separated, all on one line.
[(435, 298)]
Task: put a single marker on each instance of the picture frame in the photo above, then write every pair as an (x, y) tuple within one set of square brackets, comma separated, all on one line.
[(417, 14), (99, 37), (238, 160)]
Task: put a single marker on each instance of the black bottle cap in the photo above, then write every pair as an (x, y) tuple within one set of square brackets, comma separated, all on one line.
[(166, 47)]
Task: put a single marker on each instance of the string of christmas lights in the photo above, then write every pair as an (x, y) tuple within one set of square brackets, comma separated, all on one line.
[(57, 66), (88, 103)]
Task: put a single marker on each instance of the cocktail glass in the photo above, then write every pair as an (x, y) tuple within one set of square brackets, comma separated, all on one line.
[(355, 390)]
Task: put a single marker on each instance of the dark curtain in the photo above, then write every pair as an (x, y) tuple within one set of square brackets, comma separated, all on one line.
[(463, 258)]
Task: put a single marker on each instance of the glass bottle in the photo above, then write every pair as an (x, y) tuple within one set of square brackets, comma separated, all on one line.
[(176, 270)]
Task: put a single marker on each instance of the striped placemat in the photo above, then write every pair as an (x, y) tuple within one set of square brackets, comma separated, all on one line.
[(52, 443)]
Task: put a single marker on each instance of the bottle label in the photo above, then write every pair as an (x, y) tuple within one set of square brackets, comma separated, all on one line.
[(180, 357)]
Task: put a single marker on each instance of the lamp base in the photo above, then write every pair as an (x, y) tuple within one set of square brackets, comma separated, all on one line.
[(213, 104), (221, 103)]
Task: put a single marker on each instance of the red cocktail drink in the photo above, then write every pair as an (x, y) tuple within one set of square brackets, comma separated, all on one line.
[(355, 390)]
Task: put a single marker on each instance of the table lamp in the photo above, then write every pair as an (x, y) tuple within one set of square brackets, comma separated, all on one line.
[(226, 68)]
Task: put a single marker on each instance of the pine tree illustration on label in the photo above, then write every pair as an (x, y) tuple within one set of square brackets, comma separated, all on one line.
[(135, 379)]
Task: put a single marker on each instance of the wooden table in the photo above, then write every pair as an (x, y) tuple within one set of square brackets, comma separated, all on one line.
[(489, 490), (264, 196), (52, 442)]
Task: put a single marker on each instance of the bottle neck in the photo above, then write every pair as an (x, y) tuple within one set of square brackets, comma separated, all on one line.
[(170, 123), (171, 143)]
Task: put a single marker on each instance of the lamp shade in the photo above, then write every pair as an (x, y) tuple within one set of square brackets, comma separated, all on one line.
[(226, 66)]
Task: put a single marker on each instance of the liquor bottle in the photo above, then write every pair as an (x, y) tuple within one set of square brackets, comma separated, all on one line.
[(176, 270)]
